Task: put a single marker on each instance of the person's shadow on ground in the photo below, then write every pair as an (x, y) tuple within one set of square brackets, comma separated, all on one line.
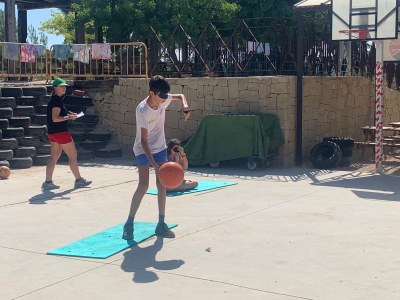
[(50, 195), (138, 260)]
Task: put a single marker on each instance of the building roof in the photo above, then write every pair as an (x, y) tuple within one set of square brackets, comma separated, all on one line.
[(312, 4), (39, 4)]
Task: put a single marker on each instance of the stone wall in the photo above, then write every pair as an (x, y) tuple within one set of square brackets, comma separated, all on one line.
[(333, 106)]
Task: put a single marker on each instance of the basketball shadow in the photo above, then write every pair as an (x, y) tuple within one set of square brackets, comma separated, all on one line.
[(139, 260), (50, 195)]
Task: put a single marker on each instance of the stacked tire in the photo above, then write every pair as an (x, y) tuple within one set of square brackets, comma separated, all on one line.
[(23, 130), (332, 152)]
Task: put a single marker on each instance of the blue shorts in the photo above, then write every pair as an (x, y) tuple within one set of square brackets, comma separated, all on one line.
[(160, 157)]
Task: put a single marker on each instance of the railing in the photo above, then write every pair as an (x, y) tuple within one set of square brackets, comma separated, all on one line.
[(23, 61), (105, 60)]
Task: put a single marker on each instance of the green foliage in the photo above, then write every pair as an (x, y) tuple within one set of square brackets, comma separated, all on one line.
[(264, 8), (60, 24), (128, 20), (2, 27), (34, 38)]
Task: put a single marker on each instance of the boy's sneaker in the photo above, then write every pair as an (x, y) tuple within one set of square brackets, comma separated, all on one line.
[(127, 234), (163, 230), (47, 186), (82, 183)]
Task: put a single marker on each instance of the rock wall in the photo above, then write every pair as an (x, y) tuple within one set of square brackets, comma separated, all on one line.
[(332, 106)]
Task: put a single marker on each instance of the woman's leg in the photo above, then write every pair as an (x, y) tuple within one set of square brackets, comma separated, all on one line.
[(72, 154), (54, 156)]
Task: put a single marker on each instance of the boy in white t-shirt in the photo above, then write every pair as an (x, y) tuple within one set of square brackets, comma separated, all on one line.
[(151, 150)]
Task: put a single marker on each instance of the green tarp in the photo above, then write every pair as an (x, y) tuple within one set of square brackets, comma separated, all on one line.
[(227, 137)]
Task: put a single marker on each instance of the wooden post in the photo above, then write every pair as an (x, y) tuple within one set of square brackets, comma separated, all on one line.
[(22, 26), (10, 21)]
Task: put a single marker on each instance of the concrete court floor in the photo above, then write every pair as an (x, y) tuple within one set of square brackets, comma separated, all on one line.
[(282, 234)]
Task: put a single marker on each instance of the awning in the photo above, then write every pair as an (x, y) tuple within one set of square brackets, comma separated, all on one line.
[(311, 5)]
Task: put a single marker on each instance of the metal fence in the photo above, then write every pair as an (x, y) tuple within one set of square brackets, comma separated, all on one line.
[(257, 47), (23, 61), (103, 60)]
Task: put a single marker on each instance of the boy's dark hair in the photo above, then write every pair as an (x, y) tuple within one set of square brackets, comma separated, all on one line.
[(171, 144), (158, 84)]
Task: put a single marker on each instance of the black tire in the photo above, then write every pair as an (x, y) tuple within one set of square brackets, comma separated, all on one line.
[(20, 122), (345, 144), (93, 145), (24, 111), (21, 163), (39, 119), (45, 99), (100, 134), (29, 141), (11, 92), (77, 100), (25, 152), (6, 112), (34, 91), (89, 118), (8, 102), (43, 149), (13, 132), (4, 123), (110, 151), (325, 155), (76, 108), (28, 101), (44, 139), (4, 163), (36, 130), (6, 154), (41, 160), (79, 137), (41, 109), (79, 126), (8, 144)]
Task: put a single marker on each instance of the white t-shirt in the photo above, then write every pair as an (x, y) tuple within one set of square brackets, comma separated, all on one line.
[(153, 120)]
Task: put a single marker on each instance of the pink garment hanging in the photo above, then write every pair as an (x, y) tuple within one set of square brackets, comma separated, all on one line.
[(101, 51), (28, 53)]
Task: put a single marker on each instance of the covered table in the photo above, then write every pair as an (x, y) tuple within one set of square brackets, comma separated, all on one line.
[(227, 137)]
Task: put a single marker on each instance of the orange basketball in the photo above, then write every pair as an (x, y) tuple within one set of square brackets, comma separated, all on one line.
[(171, 175), (4, 172)]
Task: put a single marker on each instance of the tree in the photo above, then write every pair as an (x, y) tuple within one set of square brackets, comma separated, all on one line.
[(2, 27), (60, 23), (33, 37)]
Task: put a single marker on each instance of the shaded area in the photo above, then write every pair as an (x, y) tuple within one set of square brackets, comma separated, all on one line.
[(139, 260)]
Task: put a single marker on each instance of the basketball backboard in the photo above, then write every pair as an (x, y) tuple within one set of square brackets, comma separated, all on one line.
[(379, 17)]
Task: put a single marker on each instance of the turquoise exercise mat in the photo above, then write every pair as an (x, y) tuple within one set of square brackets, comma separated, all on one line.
[(108, 242), (203, 186)]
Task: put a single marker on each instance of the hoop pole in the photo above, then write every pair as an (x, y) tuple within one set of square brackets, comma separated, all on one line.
[(379, 107)]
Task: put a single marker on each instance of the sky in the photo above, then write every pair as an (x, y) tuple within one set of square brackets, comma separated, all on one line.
[(35, 17)]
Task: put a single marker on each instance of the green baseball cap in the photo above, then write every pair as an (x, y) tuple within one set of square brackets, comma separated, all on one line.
[(59, 82)]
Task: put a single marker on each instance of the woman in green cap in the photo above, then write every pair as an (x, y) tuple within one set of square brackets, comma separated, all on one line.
[(59, 137)]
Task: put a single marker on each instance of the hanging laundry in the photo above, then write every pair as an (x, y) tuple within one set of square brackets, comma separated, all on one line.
[(40, 50), (81, 53), (267, 49), (250, 46), (101, 51), (260, 48), (10, 51), (61, 52), (28, 53)]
